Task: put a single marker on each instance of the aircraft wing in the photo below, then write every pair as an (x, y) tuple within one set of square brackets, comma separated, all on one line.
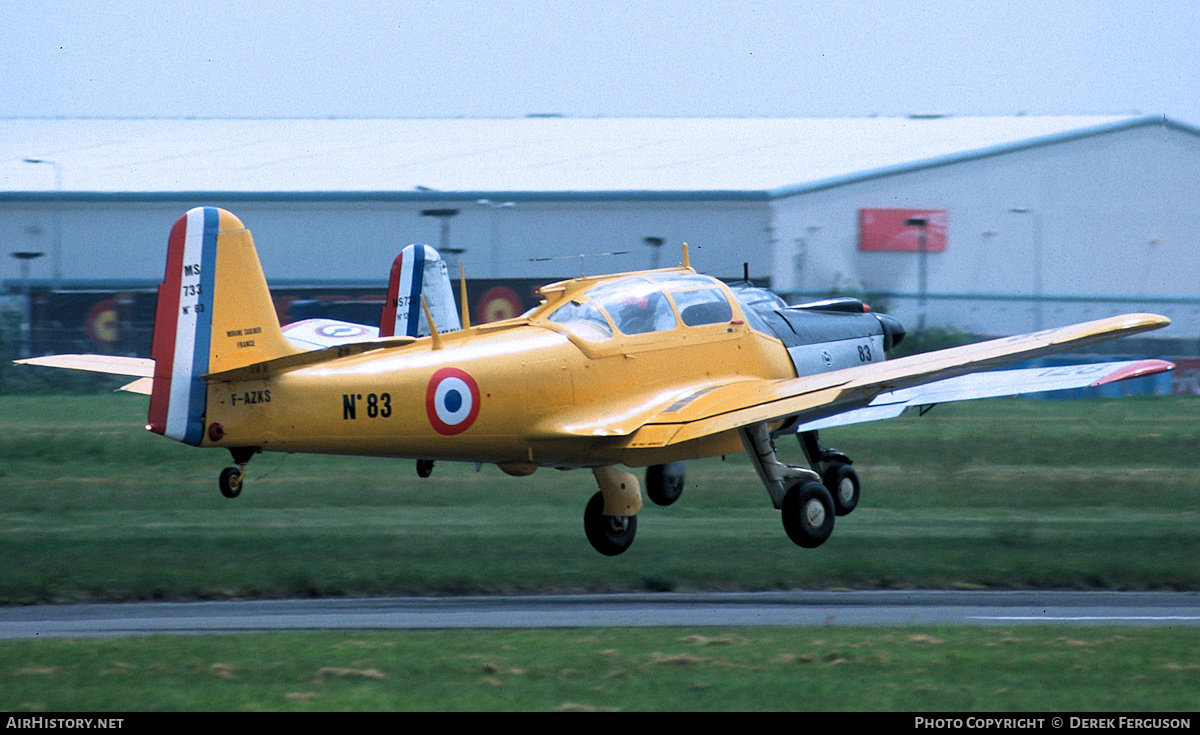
[(720, 408), (993, 384)]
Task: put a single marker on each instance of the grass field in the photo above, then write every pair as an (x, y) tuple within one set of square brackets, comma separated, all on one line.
[(1095, 494), (920, 670), (1079, 494)]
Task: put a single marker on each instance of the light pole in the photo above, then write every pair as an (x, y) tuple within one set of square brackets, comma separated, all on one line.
[(1037, 263), (494, 271), (56, 252), (24, 256), (922, 266), (655, 244), (800, 259), (444, 242)]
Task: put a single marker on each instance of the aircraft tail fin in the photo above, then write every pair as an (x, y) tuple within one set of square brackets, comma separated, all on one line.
[(418, 271), (214, 314)]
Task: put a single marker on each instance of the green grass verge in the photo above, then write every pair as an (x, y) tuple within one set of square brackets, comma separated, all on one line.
[(1082, 494), (919, 669), (1094, 494)]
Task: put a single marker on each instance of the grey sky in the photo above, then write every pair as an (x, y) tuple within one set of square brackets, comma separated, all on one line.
[(457, 58)]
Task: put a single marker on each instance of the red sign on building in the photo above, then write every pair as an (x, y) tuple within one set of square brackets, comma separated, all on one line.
[(1187, 376), (887, 230)]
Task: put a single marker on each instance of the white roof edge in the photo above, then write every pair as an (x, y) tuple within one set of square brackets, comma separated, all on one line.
[(734, 159)]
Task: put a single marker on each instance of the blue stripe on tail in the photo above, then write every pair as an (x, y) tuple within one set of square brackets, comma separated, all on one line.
[(414, 294), (198, 391)]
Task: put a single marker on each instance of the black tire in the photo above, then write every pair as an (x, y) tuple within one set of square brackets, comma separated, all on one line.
[(808, 514), (664, 484), (231, 482), (424, 467), (610, 535), (842, 483)]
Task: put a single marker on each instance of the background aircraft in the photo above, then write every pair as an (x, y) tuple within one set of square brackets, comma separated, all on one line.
[(645, 369)]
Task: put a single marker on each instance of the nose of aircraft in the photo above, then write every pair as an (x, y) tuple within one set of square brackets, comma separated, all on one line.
[(893, 331)]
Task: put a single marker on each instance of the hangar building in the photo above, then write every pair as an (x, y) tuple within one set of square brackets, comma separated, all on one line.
[(991, 225)]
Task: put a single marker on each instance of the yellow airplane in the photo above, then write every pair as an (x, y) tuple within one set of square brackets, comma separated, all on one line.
[(645, 369)]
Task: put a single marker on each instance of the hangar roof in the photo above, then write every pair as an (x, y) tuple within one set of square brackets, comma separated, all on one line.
[(531, 158)]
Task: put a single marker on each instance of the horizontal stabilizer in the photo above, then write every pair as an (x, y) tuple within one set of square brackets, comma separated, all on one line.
[(141, 367), (261, 370), (317, 334), (144, 386)]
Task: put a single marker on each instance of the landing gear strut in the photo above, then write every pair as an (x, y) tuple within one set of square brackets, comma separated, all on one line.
[(806, 505), (836, 473)]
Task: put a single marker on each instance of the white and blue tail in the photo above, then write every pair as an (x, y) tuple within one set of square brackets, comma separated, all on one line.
[(418, 271)]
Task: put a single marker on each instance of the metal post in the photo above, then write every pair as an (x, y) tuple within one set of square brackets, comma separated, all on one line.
[(655, 244), (444, 241), (56, 253), (24, 256), (494, 269), (922, 267), (1037, 264)]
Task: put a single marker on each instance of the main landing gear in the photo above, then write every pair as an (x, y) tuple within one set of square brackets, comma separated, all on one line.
[(610, 535), (836, 472), (664, 482), (610, 519), (232, 478), (807, 511), (808, 500)]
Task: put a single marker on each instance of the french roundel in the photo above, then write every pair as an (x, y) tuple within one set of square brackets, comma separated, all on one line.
[(451, 401)]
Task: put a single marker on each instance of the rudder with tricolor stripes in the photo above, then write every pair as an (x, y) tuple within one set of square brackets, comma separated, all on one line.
[(214, 313), (418, 272)]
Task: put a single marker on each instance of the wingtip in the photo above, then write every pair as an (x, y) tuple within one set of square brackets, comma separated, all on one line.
[(1114, 327), (1139, 369), (1155, 321), (1138, 322)]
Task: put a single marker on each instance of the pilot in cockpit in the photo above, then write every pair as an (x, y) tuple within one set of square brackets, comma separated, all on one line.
[(642, 313)]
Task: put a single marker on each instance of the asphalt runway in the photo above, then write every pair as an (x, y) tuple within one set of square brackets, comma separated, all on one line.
[(869, 608)]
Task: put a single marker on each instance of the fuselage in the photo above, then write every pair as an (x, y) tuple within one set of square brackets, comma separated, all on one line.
[(616, 348)]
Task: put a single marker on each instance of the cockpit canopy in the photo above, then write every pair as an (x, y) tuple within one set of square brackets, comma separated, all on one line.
[(651, 302)]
